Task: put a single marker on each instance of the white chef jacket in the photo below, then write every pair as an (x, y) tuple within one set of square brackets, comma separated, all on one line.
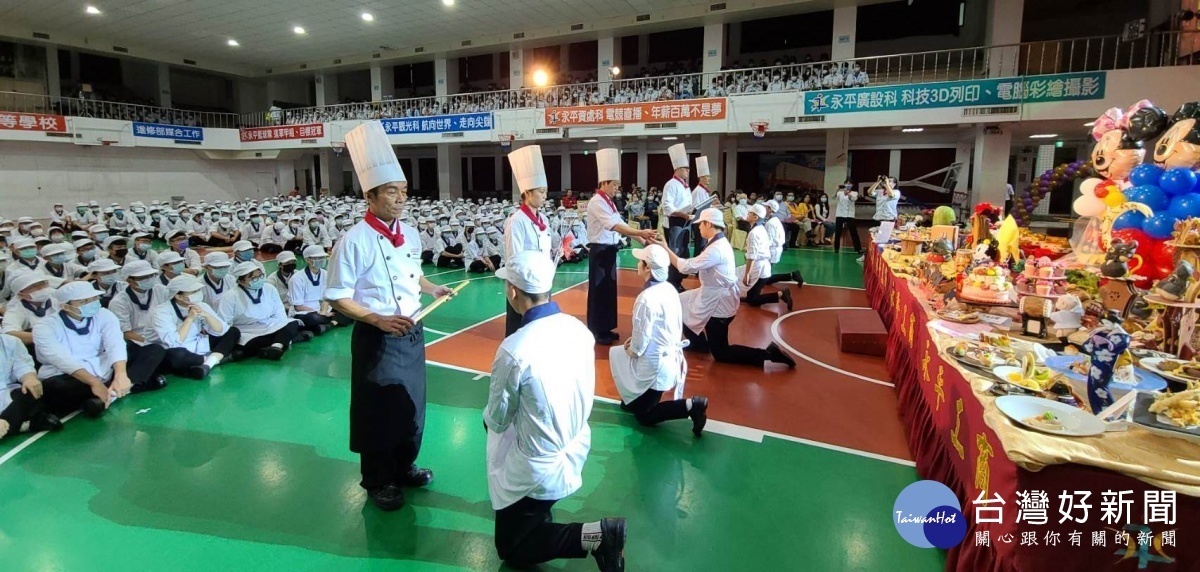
[(62, 350), (601, 218), (775, 233), (476, 249), (366, 267), (253, 320), (167, 319), (134, 319), (718, 294), (845, 204), (539, 400), (429, 241), (520, 234), (319, 238), (281, 286), (271, 236), (252, 234), (118, 224), (191, 259), (699, 195), (166, 226), (18, 318), (15, 363), (758, 249), (214, 291), (302, 291), (445, 240), (201, 228), (657, 331), (151, 257), (18, 268), (69, 271), (676, 197), (59, 219), (142, 225)]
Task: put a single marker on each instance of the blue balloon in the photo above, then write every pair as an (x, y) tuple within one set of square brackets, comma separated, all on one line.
[(1136, 195), (1154, 198), (1185, 206), (1159, 226), (1178, 181), (1129, 219), (1145, 174)]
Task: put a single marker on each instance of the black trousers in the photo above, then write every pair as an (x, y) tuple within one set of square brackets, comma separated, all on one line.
[(478, 266), (23, 408), (64, 394), (178, 360), (602, 289), (649, 409), (743, 225), (294, 245), (270, 248), (427, 257), (846, 223), (387, 402), (283, 336), (756, 298), (653, 219), (698, 242), (526, 534), (312, 321), (677, 238), (791, 230), (715, 340), (446, 262), (197, 241), (512, 320)]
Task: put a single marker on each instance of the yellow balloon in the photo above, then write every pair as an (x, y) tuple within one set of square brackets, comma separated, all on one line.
[(1114, 198)]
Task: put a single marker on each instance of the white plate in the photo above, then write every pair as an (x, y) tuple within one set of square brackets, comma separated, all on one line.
[(1075, 422), (1152, 365)]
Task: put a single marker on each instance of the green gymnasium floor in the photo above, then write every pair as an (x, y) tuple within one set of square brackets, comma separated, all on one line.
[(249, 470)]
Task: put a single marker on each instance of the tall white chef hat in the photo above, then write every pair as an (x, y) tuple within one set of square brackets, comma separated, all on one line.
[(608, 165), (679, 158), (527, 168), (702, 166), (372, 155)]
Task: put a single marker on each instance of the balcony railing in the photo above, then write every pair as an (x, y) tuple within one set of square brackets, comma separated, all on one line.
[(73, 107)]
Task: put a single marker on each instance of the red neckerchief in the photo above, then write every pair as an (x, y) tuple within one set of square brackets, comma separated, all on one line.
[(681, 181), (704, 187), (611, 204), (536, 218), (396, 237)]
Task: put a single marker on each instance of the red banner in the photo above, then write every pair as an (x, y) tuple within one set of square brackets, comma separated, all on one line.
[(655, 112), (33, 122), (310, 131)]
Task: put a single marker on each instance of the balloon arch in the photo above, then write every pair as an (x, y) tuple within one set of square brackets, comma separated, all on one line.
[(1061, 176)]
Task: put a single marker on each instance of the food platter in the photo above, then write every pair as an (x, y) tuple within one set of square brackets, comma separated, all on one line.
[(1063, 420), (1146, 380), (981, 355), (1163, 367), (1158, 423), (959, 317)]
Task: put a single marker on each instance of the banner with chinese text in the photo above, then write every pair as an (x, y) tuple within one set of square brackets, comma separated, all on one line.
[(684, 110), (438, 124), (33, 122), (309, 131), (160, 131), (999, 91)]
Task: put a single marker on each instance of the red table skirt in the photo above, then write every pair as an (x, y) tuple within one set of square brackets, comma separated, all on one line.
[(952, 444)]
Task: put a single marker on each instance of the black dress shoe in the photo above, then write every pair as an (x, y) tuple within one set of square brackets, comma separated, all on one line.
[(45, 422), (777, 355), (604, 341), (304, 336), (416, 477), (699, 414), (785, 296), (153, 384), (272, 353), (93, 407), (196, 372), (798, 278), (237, 355), (388, 498), (610, 556), (615, 336)]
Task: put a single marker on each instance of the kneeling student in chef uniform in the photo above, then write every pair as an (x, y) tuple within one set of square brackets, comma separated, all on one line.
[(651, 360), (542, 386)]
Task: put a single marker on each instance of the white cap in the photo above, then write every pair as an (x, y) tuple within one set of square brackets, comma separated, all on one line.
[(244, 269), (82, 243), (184, 283), (174, 233), (773, 205), (679, 158), (217, 260), (20, 283), (608, 165), (73, 291), (713, 216), (23, 242), (138, 235), (113, 240), (530, 271), (286, 256), (314, 251), (759, 211), (169, 257), (138, 268), (656, 258), (527, 168), (242, 245), (103, 265), (702, 166), (55, 249), (373, 157), (97, 228)]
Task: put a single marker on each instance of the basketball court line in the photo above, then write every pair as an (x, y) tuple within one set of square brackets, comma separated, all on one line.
[(500, 315), (31, 440), (814, 361)]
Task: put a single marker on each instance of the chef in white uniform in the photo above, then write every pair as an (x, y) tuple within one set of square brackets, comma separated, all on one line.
[(429, 238), (25, 258), (195, 338), (756, 273), (134, 305), (21, 392), (651, 360), (709, 309), (179, 243), (306, 294), (539, 401), (699, 195), (677, 209), (282, 276), (254, 308), (216, 278), (30, 303), (58, 265), (526, 228)]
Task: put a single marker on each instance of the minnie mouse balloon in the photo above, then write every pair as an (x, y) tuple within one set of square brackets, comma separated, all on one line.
[(1180, 145)]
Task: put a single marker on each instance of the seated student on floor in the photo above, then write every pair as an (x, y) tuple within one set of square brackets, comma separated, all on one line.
[(255, 309), (315, 233), (295, 238), (449, 251), (651, 361), (170, 265), (134, 308), (198, 230), (85, 361), (223, 233), (104, 275), (117, 248), (494, 245), (21, 400), (286, 262), (756, 273), (216, 278), (195, 338), (273, 238), (85, 252), (243, 251), (477, 257), (178, 240), (25, 258), (429, 239), (141, 249), (306, 292), (30, 303), (59, 266), (252, 229)]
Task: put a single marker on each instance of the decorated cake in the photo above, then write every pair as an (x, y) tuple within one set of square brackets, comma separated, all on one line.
[(988, 283)]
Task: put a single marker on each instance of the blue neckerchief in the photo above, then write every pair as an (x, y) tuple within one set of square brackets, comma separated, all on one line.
[(214, 286), (61, 269), (257, 300), (163, 278), (31, 266), (315, 281), (717, 237), (69, 322), (39, 312), (181, 315), (649, 283), (149, 296), (539, 312)]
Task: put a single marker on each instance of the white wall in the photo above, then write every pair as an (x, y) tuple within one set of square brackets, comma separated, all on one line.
[(37, 176)]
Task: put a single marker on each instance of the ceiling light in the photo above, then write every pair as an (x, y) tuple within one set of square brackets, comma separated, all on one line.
[(591, 141), (232, 42), (1090, 124), (670, 138), (540, 78), (367, 17), (92, 10), (615, 71), (447, 2), (298, 30), (913, 129), (1044, 136)]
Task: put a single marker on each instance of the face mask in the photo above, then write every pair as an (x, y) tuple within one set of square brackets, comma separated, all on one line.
[(121, 252), (196, 297), (146, 283), (56, 238), (319, 264), (120, 214), (741, 201), (779, 197), (181, 245), (101, 237), (90, 309), (156, 217), (219, 273), (256, 220), (287, 268), (37, 232), (142, 247), (27, 253), (108, 280), (41, 296), (314, 227), (824, 199), (791, 198), (214, 218), (256, 284), (58, 259), (176, 268), (87, 255)]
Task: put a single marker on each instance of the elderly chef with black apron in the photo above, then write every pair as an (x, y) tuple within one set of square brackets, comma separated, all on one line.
[(526, 228), (677, 210), (375, 278)]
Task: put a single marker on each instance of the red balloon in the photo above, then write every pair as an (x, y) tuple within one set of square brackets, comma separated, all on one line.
[(1101, 191), (1163, 254), (1128, 234)]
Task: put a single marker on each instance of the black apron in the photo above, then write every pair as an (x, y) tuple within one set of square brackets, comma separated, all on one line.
[(678, 233), (387, 389), (602, 288)]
